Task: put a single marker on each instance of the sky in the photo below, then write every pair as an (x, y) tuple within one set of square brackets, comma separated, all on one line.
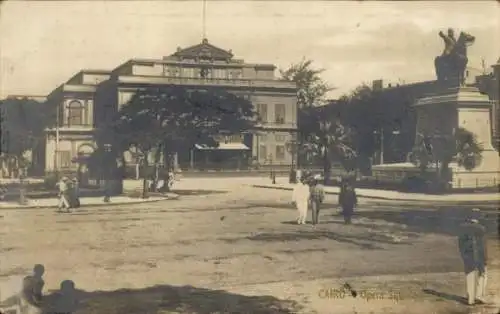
[(44, 43)]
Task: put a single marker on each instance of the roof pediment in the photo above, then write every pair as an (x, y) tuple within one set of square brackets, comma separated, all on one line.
[(203, 51)]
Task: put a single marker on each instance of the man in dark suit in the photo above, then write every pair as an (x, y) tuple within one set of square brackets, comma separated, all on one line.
[(472, 245), (347, 201)]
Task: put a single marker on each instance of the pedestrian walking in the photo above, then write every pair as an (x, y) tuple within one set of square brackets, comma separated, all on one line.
[(3, 192), (107, 191), (75, 193), (316, 198), (300, 198), (160, 186), (472, 246), (347, 201), (171, 179), (63, 195)]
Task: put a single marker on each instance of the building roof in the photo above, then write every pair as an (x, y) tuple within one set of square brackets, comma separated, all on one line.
[(203, 50), (88, 71), (95, 71), (238, 64)]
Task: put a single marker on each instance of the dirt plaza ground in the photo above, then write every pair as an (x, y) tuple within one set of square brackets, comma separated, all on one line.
[(236, 249)]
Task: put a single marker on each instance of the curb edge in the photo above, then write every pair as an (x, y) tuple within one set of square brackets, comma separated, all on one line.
[(93, 205), (381, 197)]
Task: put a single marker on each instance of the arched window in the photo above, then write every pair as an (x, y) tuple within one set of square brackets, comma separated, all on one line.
[(76, 113)]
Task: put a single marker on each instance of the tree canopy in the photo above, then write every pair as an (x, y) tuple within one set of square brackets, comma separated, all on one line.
[(170, 116), (312, 89), (311, 93), (22, 125), (163, 120)]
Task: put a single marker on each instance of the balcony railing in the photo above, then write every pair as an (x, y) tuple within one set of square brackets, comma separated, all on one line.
[(207, 81)]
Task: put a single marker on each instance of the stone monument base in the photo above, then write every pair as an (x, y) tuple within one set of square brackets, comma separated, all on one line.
[(441, 113), (487, 174), (480, 177)]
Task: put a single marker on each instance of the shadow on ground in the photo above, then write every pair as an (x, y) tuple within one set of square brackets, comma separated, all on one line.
[(370, 241), (446, 296), (288, 205), (178, 299), (197, 192), (442, 220)]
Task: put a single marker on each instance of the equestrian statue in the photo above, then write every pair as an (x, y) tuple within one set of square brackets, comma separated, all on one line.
[(451, 64)]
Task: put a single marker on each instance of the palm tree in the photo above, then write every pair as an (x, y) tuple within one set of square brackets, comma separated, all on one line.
[(331, 141), (311, 92)]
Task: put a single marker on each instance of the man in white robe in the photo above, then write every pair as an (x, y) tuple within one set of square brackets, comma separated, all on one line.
[(300, 198)]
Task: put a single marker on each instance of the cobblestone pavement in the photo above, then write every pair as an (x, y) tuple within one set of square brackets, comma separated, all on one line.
[(239, 252)]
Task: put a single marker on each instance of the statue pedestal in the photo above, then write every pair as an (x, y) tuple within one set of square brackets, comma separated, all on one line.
[(440, 114), (467, 108)]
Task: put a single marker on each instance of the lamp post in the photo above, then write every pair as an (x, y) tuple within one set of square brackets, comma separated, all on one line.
[(56, 150), (107, 172), (292, 149), (272, 175), (22, 190), (382, 141)]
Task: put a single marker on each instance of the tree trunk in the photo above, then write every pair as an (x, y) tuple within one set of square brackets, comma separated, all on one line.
[(327, 166), (145, 175), (168, 164), (168, 168), (157, 157), (122, 171)]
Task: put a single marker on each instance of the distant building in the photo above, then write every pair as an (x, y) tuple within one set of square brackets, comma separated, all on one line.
[(409, 93), (490, 84), (394, 102), (86, 100)]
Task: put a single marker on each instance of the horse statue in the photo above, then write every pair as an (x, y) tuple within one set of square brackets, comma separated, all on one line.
[(451, 65)]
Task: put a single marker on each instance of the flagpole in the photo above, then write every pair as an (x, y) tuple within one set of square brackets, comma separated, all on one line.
[(56, 166), (204, 18)]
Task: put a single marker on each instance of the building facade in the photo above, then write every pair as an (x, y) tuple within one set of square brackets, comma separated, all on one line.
[(490, 84), (87, 101)]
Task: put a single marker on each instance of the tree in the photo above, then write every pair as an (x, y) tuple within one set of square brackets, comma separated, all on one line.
[(440, 150), (311, 88), (361, 93), (376, 114), (163, 119), (331, 141), (311, 92), (361, 113), (23, 123)]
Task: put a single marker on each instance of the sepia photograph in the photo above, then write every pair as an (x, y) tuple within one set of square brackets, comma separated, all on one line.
[(227, 157)]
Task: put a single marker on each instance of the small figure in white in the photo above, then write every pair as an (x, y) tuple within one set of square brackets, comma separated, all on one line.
[(64, 191), (171, 179), (160, 185), (300, 198)]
